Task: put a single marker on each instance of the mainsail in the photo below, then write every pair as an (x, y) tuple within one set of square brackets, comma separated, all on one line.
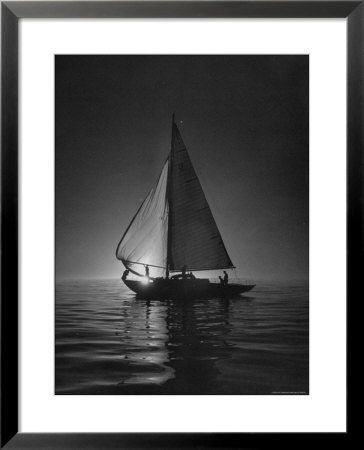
[(174, 225), (194, 238)]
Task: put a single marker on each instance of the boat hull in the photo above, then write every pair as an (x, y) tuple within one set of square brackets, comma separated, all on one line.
[(195, 288)]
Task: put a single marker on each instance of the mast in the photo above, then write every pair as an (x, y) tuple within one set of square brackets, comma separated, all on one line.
[(169, 198)]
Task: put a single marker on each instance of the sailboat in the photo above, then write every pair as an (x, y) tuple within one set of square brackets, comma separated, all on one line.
[(174, 232)]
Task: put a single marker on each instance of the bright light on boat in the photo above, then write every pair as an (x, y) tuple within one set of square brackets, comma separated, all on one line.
[(145, 280)]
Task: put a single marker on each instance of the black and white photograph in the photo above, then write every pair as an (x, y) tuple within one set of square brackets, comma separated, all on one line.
[(182, 224)]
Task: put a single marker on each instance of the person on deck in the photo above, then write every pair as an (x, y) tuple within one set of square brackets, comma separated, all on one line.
[(147, 271), (184, 270), (226, 278), (191, 275), (125, 274), (221, 281)]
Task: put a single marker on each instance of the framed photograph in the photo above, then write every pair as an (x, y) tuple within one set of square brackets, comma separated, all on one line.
[(181, 221)]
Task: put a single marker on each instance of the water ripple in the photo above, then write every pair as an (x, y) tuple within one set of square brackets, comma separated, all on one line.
[(108, 342)]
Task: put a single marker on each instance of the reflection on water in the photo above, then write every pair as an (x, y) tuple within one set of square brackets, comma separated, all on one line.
[(108, 342)]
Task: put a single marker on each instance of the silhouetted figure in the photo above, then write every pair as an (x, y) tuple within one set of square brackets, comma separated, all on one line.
[(125, 274), (191, 275), (147, 271), (221, 281), (184, 270), (226, 278)]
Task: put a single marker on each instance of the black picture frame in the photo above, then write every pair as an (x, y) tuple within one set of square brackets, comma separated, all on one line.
[(11, 12)]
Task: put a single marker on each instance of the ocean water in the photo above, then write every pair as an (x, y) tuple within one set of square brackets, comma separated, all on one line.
[(109, 342)]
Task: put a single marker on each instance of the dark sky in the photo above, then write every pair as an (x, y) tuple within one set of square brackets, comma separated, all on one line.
[(245, 125)]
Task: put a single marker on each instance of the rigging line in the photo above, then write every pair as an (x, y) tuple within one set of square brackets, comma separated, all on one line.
[(191, 179), (142, 264), (189, 269), (177, 270)]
